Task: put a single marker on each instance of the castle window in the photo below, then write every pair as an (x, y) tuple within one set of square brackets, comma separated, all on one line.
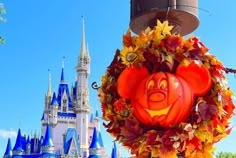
[(64, 109), (64, 101)]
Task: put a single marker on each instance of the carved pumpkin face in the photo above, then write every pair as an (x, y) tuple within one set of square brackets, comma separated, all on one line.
[(162, 98)]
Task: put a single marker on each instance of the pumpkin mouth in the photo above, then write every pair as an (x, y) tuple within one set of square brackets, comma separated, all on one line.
[(153, 113), (162, 111)]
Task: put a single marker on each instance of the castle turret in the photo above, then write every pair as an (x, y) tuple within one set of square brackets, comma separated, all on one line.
[(97, 120), (48, 96), (47, 145), (8, 152), (63, 97), (82, 108), (100, 139), (48, 100), (95, 147), (18, 149), (53, 110), (114, 151), (28, 146)]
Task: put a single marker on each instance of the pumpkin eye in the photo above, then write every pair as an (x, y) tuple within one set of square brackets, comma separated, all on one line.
[(151, 84), (163, 84)]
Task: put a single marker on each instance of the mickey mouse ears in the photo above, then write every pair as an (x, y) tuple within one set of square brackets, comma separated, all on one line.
[(197, 75), (129, 79)]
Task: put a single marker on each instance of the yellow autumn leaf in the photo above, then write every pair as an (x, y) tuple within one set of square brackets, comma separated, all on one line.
[(104, 79), (164, 27), (169, 58), (169, 154), (142, 148), (207, 65), (220, 129), (154, 152), (185, 62), (229, 92)]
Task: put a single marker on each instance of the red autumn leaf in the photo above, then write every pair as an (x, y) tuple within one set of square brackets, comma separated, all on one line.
[(134, 147), (207, 111), (196, 142), (131, 129), (112, 128), (229, 107), (151, 137), (195, 52), (173, 42), (120, 105), (228, 131)]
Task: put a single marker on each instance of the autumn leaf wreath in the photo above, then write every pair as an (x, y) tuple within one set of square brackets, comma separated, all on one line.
[(163, 95)]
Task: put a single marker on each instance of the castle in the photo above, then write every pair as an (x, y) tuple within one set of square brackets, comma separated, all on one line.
[(69, 128)]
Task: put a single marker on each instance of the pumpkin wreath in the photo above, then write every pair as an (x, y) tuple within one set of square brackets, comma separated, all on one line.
[(165, 95)]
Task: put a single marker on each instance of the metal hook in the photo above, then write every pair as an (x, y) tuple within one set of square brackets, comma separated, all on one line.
[(95, 85)]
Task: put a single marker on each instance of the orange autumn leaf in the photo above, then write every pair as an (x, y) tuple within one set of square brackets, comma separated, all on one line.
[(127, 39)]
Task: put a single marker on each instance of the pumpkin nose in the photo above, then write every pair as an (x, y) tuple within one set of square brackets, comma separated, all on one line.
[(157, 96)]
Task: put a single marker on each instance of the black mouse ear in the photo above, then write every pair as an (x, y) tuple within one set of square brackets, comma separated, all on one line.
[(129, 80), (197, 76)]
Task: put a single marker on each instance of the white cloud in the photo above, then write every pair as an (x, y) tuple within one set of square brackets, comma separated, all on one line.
[(8, 133)]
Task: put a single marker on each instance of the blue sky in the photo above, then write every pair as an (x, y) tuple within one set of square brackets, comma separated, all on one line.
[(40, 33)]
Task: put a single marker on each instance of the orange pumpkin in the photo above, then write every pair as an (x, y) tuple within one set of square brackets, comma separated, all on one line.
[(164, 98)]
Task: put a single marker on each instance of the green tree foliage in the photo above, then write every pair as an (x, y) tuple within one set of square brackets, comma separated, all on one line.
[(226, 155), (2, 19)]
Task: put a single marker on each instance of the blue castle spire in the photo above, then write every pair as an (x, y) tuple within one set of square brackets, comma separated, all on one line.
[(47, 141), (96, 114), (100, 140), (63, 87), (54, 99), (114, 151), (62, 74), (28, 146), (94, 148), (62, 70), (28, 140), (47, 145), (8, 152), (18, 149), (91, 118)]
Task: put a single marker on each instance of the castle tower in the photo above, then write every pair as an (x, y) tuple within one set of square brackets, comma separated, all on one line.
[(95, 148), (53, 110), (48, 96), (97, 120), (103, 149), (8, 152), (82, 108), (28, 146), (18, 149), (47, 103), (47, 145)]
